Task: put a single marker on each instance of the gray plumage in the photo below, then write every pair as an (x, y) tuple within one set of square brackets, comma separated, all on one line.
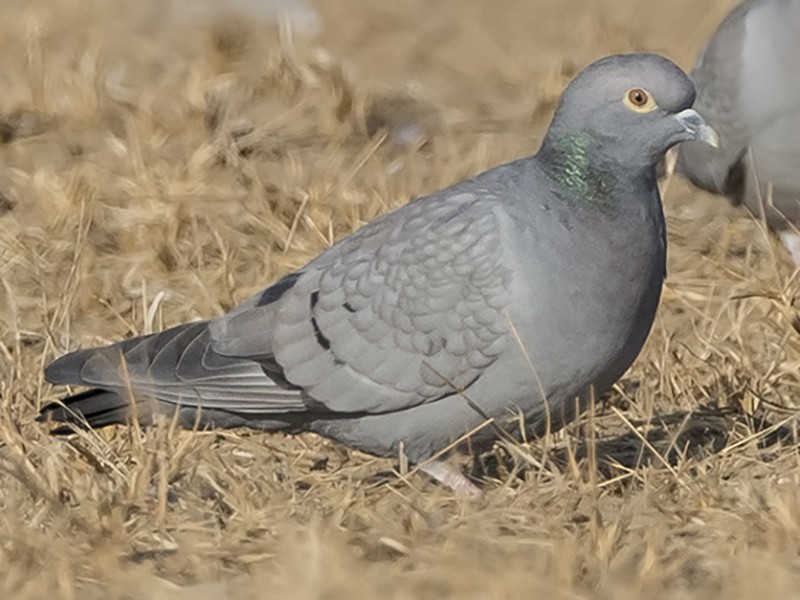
[(748, 89), (510, 293)]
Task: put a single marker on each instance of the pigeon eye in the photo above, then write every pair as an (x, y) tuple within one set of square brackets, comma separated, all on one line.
[(638, 97), (639, 100)]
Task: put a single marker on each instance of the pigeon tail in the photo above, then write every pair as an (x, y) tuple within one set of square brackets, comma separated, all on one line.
[(90, 409)]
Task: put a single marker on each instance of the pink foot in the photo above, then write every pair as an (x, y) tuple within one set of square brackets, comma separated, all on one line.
[(450, 477)]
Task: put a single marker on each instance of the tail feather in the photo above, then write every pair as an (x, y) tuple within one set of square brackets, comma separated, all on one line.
[(172, 372), (179, 366), (89, 409), (97, 408)]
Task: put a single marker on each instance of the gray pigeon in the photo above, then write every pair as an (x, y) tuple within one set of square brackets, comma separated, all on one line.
[(510, 294), (748, 89)]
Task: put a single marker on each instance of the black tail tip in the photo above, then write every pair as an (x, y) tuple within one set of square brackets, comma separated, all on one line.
[(68, 421), (86, 410)]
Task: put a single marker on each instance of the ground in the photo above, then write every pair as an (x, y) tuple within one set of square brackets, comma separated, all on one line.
[(156, 168)]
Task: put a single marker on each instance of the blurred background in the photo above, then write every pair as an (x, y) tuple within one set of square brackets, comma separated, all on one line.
[(161, 161)]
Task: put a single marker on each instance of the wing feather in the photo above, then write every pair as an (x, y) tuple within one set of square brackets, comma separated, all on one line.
[(378, 323)]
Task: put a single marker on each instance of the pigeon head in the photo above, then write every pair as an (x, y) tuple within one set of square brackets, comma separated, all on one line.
[(626, 109)]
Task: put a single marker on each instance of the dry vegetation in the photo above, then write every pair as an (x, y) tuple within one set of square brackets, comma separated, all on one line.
[(154, 171)]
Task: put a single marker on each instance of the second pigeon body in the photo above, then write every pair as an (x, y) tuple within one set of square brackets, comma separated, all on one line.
[(510, 294), (748, 89)]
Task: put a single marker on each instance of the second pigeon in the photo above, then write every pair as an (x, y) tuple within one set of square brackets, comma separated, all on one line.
[(748, 89)]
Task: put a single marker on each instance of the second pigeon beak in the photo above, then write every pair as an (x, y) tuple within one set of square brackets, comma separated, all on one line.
[(697, 128)]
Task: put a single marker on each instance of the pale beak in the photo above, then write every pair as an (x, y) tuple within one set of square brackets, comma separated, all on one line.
[(697, 128)]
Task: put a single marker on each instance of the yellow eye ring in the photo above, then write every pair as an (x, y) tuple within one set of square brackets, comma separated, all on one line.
[(639, 100)]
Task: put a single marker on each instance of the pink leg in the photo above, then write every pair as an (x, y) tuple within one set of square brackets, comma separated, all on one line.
[(451, 478)]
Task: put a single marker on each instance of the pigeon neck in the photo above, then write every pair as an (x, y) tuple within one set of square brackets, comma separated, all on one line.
[(568, 160)]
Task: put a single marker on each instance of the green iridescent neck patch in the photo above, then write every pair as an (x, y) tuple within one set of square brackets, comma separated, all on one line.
[(578, 179)]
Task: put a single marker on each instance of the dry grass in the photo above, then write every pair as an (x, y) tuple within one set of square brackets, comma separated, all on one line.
[(156, 171)]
